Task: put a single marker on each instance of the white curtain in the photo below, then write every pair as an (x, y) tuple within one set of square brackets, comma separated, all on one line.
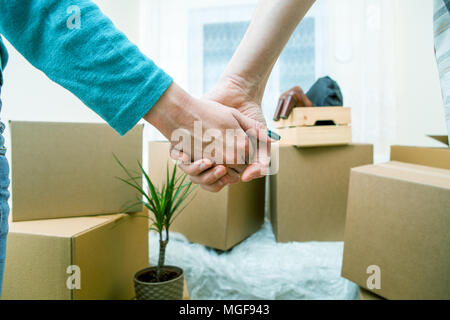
[(362, 60)]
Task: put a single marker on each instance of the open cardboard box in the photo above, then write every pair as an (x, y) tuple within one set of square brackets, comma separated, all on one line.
[(67, 169), (43, 257), (218, 220)]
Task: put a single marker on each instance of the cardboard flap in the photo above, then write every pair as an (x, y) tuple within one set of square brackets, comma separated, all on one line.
[(443, 139), (409, 172), (65, 228)]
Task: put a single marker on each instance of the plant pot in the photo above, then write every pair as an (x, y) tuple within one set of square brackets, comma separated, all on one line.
[(167, 290)]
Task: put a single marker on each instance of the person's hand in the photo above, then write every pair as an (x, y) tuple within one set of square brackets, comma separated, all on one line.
[(244, 96), (175, 115), (204, 172)]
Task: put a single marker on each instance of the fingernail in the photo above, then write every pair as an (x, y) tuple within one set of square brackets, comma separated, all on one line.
[(202, 166)]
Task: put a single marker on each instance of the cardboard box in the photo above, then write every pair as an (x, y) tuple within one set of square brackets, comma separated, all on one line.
[(185, 291), (218, 220), (308, 196), (397, 238), (363, 294), (67, 169), (108, 250), (432, 157)]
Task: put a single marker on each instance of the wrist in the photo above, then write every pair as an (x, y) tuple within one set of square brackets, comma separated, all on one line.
[(165, 115), (251, 86)]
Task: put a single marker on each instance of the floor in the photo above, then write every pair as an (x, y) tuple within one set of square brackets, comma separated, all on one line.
[(260, 268)]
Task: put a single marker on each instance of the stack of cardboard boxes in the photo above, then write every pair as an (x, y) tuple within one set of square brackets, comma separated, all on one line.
[(69, 238), (397, 239)]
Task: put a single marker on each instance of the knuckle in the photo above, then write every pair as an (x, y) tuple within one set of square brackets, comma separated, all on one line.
[(209, 179)]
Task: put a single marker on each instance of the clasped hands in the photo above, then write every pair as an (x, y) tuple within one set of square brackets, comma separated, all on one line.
[(218, 140)]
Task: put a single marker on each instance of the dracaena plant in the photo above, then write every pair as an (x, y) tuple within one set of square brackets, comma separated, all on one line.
[(165, 203)]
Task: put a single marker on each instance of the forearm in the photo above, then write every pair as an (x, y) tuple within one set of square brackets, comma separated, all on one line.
[(272, 25), (172, 111), (96, 62)]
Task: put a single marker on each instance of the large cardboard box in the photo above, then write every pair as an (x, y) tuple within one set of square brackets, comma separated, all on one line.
[(308, 196), (426, 156), (218, 220), (68, 169), (43, 257), (397, 236)]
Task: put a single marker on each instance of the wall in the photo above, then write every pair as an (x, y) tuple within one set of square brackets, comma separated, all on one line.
[(419, 101)]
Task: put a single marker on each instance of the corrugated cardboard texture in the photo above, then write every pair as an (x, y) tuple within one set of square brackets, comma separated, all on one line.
[(308, 197), (398, 219), (218, 220), (67, 169), (108, 250)]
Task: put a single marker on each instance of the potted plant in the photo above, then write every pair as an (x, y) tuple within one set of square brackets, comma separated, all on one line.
[(160, 282)]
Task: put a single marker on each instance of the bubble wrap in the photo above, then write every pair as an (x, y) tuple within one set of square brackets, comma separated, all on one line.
[(260, 268)]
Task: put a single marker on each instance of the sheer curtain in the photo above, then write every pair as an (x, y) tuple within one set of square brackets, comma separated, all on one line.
[(350, 40), (362, 58)]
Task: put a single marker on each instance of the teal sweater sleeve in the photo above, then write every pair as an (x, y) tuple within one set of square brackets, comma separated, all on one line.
[(96, 62)]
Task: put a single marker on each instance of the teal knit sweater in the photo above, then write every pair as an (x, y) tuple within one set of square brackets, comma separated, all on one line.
[(87, 56)]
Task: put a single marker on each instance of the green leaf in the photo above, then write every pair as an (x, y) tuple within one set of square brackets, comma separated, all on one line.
[(165, 202), (151, 187)]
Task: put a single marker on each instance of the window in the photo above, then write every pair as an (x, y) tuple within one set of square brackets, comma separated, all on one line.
[(220, 41), (296, 65)]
